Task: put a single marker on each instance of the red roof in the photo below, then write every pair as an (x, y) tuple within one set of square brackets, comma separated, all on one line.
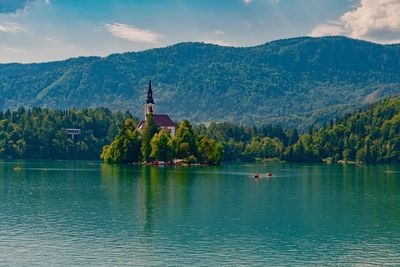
[(162, 120)]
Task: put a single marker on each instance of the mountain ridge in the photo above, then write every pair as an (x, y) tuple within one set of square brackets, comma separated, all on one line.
[(201, 43), (275, 81)]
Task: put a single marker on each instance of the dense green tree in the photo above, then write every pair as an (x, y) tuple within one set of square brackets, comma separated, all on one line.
[(160, 147), (149, 131), (39, 133), (185, 141), (184, 145), (211, 152), (126, 146), (369, 135)]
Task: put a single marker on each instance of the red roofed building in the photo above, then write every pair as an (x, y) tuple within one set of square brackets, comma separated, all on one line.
[(162, 120)]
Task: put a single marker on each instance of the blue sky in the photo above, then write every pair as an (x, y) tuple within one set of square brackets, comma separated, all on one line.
[(46, 30)]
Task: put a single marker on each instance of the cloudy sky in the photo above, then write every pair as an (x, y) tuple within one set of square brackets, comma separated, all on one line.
[(46, 30)]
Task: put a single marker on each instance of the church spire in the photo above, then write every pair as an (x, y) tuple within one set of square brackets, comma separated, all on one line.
[(150, 95), (150, 105)]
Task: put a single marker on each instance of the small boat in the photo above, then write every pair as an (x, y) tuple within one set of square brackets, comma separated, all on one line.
[(268, 174), (17, 168), (257, 176)]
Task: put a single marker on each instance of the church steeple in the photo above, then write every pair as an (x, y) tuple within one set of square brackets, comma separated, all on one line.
[(150, 105), (150, 95), (161, 120)]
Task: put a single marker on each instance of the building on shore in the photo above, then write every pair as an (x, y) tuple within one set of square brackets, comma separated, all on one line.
[(72, 133), (161, 120)]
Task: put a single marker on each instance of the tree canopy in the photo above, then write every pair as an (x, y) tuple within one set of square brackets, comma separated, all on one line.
[(294, 82), (39, 133), (157, 144)]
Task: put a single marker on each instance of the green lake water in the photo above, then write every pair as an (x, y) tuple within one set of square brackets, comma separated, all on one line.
[(89, 213)]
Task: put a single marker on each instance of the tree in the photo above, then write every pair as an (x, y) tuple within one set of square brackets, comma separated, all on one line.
[(149, 131), (160, 147), (185, 140), (211, 152), (126, 146)]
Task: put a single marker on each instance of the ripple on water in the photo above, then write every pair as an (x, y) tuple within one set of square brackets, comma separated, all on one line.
[(132, 215)]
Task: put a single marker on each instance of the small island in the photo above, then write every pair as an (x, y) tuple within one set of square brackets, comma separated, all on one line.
[(157, 140)]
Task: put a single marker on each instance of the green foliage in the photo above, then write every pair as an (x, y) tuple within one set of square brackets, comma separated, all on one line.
[(40, 133), (295, 82), (126, 146), (149, 131), (160, 147), (184, 145), (370, 135), (185, 141), (210, 151), (265, 147), (243, 143)]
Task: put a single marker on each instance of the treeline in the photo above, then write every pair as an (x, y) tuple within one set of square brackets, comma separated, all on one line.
[(39, 133), (154, 144), (242, 143), (370, 135)]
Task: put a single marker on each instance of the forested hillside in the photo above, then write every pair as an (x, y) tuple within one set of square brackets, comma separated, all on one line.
[(371, 135), (295, 81), (40, 133)]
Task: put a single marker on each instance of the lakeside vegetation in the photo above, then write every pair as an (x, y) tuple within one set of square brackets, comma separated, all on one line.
[(39, 133), (371, 135), (154, 144)]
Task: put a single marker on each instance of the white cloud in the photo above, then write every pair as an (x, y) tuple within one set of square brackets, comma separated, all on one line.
[(218, 42), (328, 28), (11, 28), (133, 34), (375, 20), (247, 2)]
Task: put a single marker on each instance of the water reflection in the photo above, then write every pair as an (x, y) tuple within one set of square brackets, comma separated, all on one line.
[(312, 196), (155, 191), (81, 213)]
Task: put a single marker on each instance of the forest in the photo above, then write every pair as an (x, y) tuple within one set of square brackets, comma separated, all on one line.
[(370, 135), (292, 82), (39, 133)]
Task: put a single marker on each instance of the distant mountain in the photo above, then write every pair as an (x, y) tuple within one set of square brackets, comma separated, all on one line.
[(294, 81)]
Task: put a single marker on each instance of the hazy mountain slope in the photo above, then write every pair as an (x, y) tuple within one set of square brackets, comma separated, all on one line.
[(288, 79)]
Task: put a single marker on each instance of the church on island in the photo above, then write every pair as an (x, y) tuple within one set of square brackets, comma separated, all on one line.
[(161, 120)]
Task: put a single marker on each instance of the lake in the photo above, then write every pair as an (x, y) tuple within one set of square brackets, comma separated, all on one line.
[(90, 213)]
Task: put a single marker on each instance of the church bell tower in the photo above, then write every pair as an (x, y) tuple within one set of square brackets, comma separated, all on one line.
[(150, 105)]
